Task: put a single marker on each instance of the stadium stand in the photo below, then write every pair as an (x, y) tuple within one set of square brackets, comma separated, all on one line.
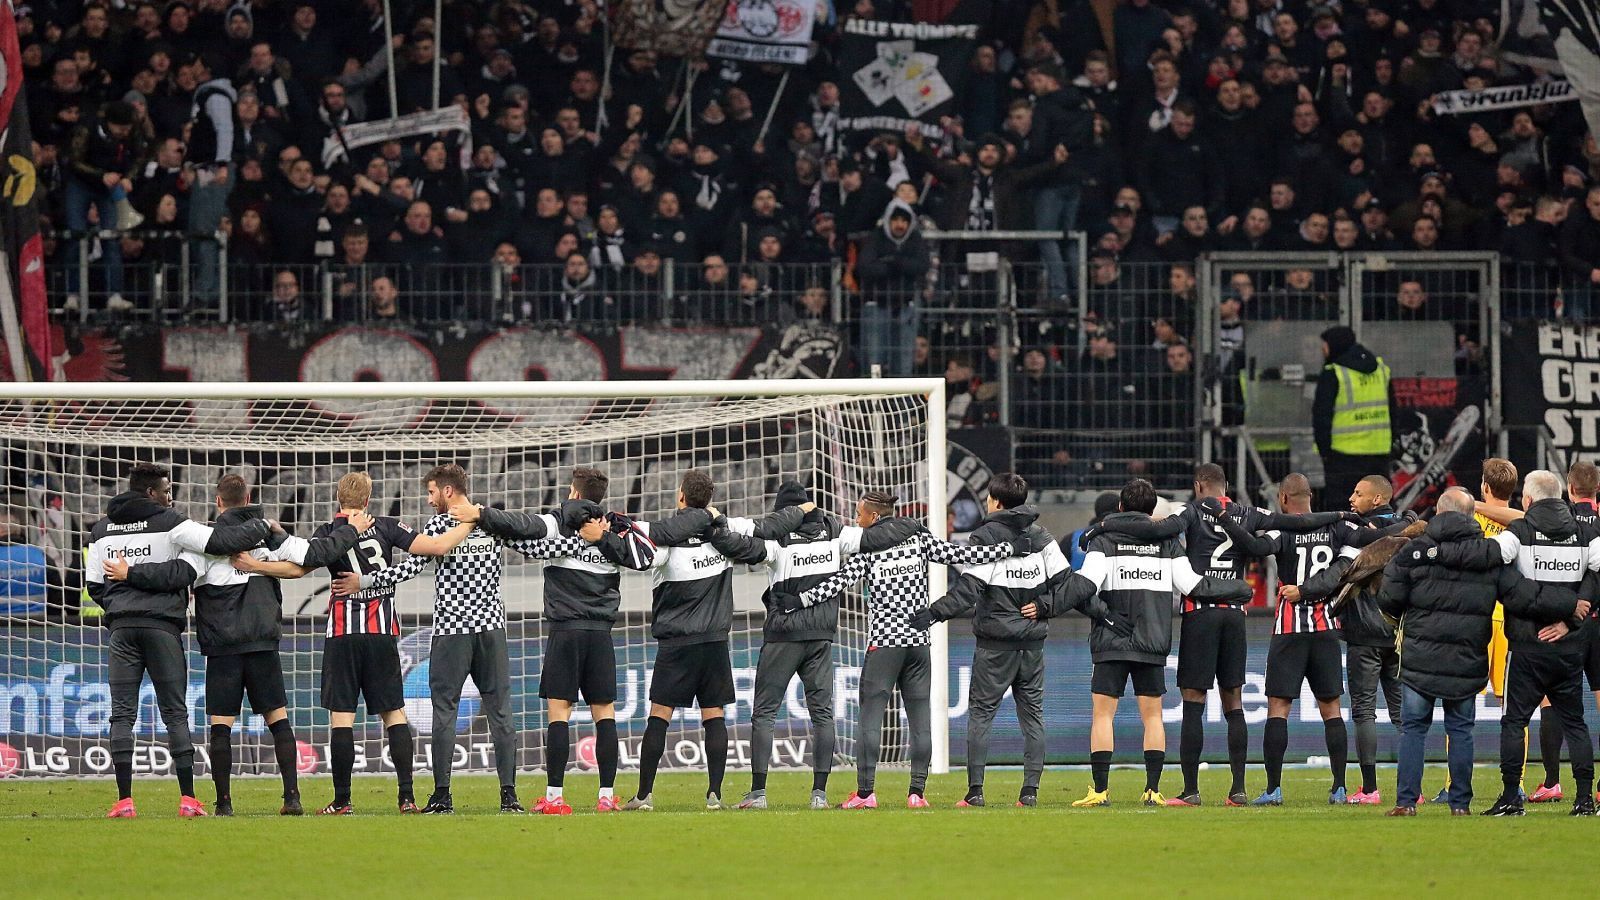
[(577, 198)]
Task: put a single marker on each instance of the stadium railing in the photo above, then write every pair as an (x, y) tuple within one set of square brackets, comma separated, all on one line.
[(1532, 291), (1433, 317), (160, 273), (1089, 418)]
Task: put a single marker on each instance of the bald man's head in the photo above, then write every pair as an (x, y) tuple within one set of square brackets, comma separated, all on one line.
[(1294, 493), (1455, 499)]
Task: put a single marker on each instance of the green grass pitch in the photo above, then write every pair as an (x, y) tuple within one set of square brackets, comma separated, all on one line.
[(56, 844)]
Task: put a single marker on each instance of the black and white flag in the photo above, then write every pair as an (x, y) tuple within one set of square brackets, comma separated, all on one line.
[(901, 72), (337, 146), (1509, 96), (1558, 36)]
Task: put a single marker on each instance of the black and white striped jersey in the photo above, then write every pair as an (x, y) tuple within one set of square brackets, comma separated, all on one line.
[(366, 611), (1301, 555)]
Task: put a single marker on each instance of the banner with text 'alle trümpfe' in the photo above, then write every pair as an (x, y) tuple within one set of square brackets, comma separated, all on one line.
[(897, 73)]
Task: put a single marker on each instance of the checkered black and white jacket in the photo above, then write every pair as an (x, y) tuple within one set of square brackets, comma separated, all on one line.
[(466, 591), (897, 578)]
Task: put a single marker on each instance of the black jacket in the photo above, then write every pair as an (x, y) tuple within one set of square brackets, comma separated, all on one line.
[(1061, 117), (234, 612), (1134, 579), (691, 599), (797, 561), (1578, 243), (1013, 204), (582, 591), (1176, 174), (1446, 612), (893, 271), (997, 592), (138, 529), (1552, 549)]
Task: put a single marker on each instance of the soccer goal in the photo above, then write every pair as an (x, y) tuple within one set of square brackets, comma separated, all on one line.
[(69, 448)]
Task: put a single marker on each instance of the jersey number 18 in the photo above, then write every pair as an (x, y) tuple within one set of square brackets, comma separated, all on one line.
[(1311, 560)]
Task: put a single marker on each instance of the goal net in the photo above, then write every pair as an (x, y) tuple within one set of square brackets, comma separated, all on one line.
[(69, 449)]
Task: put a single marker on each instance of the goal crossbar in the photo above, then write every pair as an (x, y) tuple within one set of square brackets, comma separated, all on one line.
[(461, 390)]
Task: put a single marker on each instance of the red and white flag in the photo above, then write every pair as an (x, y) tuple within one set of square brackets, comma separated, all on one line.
[(26, 316)]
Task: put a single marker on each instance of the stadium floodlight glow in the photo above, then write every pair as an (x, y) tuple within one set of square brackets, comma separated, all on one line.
[(519, 442)]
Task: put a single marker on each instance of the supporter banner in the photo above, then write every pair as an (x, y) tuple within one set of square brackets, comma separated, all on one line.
[(26, 312), (1560, 36), (972, 458), (670, 27), (765, 31), (55, 705), (1438, 438), (1455, 103), (902, 73), (1558, 365), (338, 145), (329, 352)]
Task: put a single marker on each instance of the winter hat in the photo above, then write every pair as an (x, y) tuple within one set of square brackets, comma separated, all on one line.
[(1339, 338), (118, 113), (790, 493)]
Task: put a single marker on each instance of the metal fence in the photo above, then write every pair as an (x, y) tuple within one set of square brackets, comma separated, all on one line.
[(136, 274), (1433, 317), (1146, 368)]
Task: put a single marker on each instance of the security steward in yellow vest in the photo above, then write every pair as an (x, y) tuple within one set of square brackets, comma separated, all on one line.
[(1350, 415)]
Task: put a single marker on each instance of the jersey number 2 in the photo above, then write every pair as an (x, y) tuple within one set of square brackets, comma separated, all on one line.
[(1217, 561)]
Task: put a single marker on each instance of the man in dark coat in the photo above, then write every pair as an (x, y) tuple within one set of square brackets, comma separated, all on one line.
[(893, 268), (988, 194), (1447, 614)]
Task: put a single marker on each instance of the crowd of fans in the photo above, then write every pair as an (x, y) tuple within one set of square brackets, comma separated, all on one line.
[(1163, 131)]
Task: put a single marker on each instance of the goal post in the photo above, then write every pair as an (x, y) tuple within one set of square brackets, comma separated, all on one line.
[(69, 446)]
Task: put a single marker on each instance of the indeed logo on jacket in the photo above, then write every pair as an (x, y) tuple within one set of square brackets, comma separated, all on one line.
[(996, 592)]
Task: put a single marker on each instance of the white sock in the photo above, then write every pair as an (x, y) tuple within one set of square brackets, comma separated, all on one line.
[(552, 794), (605, 794)]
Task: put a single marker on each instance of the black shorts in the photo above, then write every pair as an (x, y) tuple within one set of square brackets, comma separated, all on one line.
[(1110, 679), (579, 662), (689, 673), (1296, 658), (362, 666), (1591, 659), (228, 677), (1211, 649)]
